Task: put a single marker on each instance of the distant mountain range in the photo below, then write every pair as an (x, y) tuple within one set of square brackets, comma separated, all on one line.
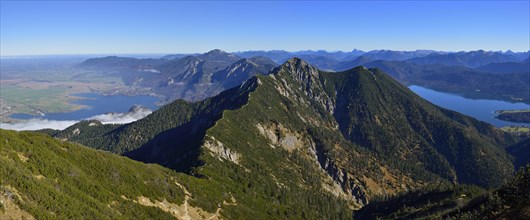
[(469, 59), (507, 67), (189, 77), (195, 77), (280, 56)]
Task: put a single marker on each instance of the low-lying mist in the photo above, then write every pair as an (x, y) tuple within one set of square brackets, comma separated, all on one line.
[(109, 118)]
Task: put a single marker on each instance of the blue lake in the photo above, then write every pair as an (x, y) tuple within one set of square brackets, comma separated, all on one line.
[(481, 109), (97, 105)]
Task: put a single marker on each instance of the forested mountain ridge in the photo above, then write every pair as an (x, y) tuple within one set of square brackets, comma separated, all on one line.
[(466, 81), (357, 134)]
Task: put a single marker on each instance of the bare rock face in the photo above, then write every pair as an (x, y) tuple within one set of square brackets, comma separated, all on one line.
[(308, 78), (220, 151), (282, 136), (348, 183), (335, 180), (76, 131)]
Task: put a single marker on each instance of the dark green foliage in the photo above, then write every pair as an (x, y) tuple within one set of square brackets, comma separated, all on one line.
[(377, 113), (78, 182), (178, 147), (89, 133), (421, 204), (271, 177), (48, 131), (521, 153), (516, 193), (63, 180), (121, 139), (514, 116), (511, 201)]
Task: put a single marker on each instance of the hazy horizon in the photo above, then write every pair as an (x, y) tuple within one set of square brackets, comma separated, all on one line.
[(294, 51)]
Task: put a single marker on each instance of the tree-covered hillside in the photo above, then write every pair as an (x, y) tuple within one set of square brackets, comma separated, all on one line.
[(511, 201), (357, 134), (46, 178)]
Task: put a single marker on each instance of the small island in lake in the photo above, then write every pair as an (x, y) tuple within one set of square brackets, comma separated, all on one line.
[(518, 116)]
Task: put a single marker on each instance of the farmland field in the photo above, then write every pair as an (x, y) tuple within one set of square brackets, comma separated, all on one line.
[(33, 86)]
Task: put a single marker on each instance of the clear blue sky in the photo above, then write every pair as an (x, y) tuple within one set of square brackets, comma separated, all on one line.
[(60, 27)]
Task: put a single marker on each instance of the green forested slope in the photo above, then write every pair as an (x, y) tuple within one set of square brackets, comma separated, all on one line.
[(52, 179), (520, 152), (302, 143), (377, 113), (510, 201)]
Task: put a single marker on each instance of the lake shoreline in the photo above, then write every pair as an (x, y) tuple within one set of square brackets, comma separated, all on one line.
[(480, 109), (516, 116), (94, 104)]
